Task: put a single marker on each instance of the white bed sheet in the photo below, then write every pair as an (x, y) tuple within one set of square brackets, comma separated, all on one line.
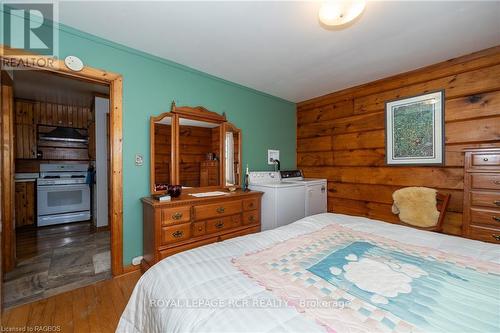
[(206, 274)]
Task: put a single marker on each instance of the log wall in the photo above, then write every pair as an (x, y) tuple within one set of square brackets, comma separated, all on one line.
[(341, 137)]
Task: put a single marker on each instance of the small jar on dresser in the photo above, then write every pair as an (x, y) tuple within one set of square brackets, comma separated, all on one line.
[(188, 222), (481, 219)]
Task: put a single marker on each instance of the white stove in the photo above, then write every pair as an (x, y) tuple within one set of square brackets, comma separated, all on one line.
[(63, 194)]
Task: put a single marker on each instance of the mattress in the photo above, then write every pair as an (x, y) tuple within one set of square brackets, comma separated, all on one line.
[(252, 283)]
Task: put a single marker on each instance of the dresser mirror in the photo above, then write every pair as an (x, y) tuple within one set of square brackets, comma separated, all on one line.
[(232, 158), (195, 148), (162, 152), (199, 153)]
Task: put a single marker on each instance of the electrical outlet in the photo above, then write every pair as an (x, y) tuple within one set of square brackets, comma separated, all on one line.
[(139, 160), (272, 155)]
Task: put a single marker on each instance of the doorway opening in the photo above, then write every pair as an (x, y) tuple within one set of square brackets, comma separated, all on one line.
[(61, 150)]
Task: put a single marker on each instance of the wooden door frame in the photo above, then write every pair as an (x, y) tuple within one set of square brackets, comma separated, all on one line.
[(7, 175), (115, 83)]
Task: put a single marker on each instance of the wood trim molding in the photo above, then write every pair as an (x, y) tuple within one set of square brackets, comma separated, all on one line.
[(115, 83), (130, 269), (197, 113), (55, 65), (116, 143)]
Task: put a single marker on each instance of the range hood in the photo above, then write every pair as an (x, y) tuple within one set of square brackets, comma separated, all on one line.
[(65, 134)]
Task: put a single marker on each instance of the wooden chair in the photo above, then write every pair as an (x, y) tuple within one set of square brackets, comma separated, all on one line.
[(443, 200)]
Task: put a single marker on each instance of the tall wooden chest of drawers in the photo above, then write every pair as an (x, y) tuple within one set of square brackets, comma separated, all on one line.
[(481, 219), (188, 222)]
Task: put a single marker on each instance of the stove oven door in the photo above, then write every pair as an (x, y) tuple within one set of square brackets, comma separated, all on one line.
[(62, 199)]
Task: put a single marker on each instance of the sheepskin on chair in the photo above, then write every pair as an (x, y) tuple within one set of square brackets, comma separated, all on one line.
[(416, 206)]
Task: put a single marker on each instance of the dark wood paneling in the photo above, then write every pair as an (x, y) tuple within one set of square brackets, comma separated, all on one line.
[(341, 136)]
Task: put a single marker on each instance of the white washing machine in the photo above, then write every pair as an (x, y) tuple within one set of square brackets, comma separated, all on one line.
[(282, 202), (316, 193)]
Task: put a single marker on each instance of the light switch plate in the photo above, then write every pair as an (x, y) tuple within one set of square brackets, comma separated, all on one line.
[(139, 160), (272, 155)]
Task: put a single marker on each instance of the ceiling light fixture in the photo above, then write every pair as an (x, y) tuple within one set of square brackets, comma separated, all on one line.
[(340, 12)]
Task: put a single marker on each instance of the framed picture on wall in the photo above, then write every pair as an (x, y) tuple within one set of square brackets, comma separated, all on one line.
[(414, 130)]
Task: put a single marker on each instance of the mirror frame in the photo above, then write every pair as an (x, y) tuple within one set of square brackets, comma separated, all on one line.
[(194, 113), (173, 141), (230, 127)]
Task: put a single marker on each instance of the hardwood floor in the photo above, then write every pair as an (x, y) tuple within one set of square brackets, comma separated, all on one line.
[(94, 308)]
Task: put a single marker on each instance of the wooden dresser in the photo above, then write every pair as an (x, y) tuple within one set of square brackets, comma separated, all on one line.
[(188, 222), (482, 195)]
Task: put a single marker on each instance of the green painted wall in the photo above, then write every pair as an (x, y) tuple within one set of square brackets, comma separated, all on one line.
[(149, 86)]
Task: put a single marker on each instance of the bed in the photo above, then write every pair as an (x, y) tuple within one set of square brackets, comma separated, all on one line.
[(324, 273)]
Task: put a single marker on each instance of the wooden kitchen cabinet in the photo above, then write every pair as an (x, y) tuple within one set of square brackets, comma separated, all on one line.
[(51, 114), (25, 130), (34, 117), (25, 203)]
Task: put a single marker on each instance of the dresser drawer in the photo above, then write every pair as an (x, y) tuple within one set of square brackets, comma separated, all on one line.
[(485, 199), (250, 204), (239, 233), (490, 235), (175, 233), (251, 217), (215, 210), (175, 215), (485, 216), (199, 229), (485, 181), (168, 252), (485, 159), (219, 224)]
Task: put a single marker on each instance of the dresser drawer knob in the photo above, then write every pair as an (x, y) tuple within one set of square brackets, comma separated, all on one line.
[(219, 225), (220, 210), (177, 234), (200, 228), (497, 237), (250, 205), (485, 159), (496, 202), (251, 218), (496, 218), (177, 216)]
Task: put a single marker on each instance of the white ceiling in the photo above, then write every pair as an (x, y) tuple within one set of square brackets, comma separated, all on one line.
[(280, 48)]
